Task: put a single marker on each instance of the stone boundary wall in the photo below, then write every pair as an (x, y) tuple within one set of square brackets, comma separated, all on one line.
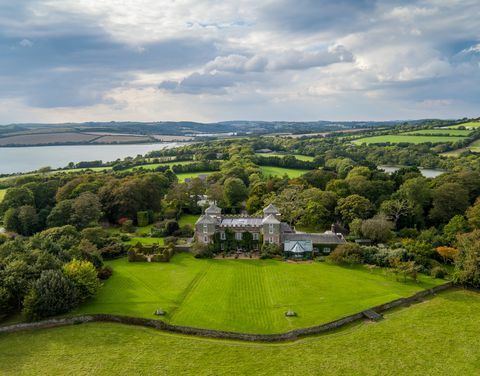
[(218, 334)]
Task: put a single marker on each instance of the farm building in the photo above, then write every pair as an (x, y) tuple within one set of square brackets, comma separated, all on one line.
[(249, 232)]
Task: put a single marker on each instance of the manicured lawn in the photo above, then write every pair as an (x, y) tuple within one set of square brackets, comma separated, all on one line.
[(145, 241), (438, 337), (444, 131), (245, 295), (469, 125), (2, 194), (305, 158), (408, 139), (280, 171), (188, 219), (144, 230), (190, 175)]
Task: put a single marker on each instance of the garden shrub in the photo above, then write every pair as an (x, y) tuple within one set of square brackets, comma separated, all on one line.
[(6, 304), (270, 250), (113, 251), (127, 226), (84, 277), (171, 227), (438, 272), (348, 253), (202, 250), (52, 294), (105, 272), (142, 218)]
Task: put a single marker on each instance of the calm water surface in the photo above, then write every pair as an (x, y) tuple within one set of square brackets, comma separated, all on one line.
[(25, 159), (427, 172)]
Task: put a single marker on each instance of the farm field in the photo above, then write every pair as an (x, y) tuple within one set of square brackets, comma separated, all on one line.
[(117, 139), (300, 157), (2, 194), (280, 171), (47, 139), (444, 131), (191, 175), (409, 341), (245, 295), (469, 125), (474, 146), (395, 139)]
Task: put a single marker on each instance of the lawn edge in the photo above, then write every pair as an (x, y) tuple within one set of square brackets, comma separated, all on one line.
[(368, 314)]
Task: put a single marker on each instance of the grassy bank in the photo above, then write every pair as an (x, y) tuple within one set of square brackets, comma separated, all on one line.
[(245, 295), (438, 337)]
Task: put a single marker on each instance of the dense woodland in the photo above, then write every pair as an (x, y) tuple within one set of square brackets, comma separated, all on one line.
[(59, 224)]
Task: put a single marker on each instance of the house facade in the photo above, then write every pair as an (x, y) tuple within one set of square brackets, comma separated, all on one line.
[(250, 232)]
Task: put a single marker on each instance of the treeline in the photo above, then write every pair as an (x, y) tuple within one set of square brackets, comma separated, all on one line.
[(287, 161), (197, 167), (53, 271)]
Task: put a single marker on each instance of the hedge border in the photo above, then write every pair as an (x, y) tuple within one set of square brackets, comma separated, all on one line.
[(218, 334)]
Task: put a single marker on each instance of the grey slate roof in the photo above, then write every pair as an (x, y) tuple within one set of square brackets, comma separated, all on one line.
[(326, 238), (271, 209), (206, 220), (285, 228), (241, 222), (270, 220), (213, 209)]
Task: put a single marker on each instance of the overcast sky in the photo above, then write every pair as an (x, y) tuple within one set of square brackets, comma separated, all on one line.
[(205, 60)]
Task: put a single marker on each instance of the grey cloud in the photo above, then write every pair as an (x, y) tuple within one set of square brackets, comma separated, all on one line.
[(226, 71), (317, 15), (73, 62), (200, 83)]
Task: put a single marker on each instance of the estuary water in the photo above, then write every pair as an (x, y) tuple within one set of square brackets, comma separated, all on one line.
[(427, 172), (26, 159)]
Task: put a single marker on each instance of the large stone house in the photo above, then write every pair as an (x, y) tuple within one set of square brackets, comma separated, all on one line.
[(212, 227)]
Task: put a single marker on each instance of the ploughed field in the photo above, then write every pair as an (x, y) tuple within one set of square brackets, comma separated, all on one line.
[(245, 295), (438, 337)]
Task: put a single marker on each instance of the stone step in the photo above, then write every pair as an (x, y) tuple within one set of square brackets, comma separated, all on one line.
[(372, 315)]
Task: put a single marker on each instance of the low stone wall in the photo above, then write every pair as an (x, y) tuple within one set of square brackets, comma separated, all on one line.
[(218, 334)]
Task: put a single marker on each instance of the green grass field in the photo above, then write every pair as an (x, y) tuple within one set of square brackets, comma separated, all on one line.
[(245, 295), (300, 157), (153, 166), (444, 131), (475, 146), (188, 219), (190, 175), (438, 337), (2, 194), (280, 171), (145, 241), (469, 125), (395, 139)]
